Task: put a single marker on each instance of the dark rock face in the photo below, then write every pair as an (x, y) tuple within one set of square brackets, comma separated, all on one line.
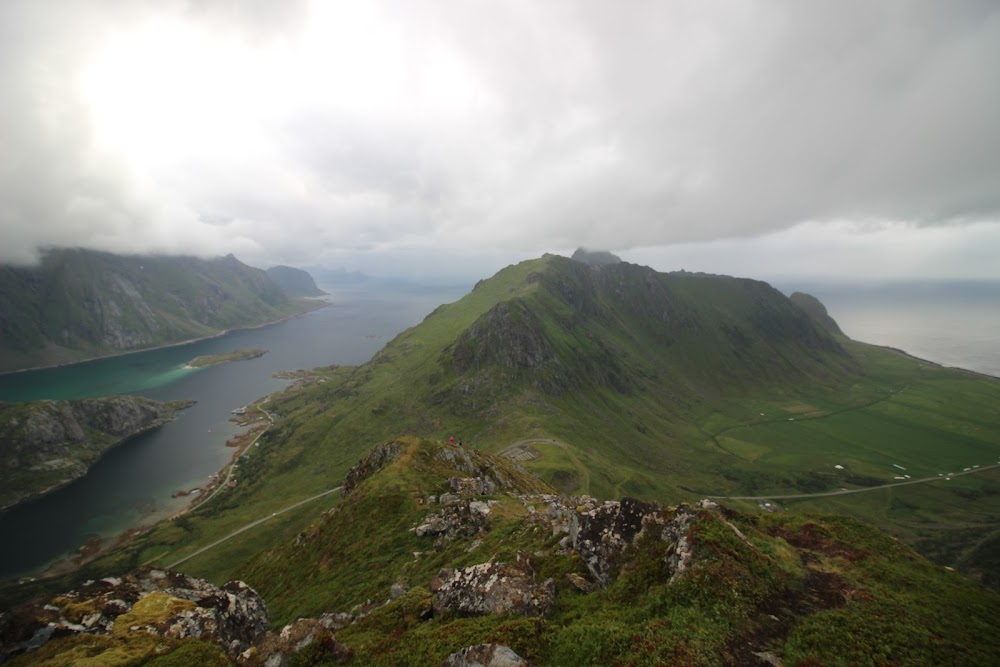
[(485, 655), (601, 535), (162, 603), (378, 458), (491, 588), (508, 335)]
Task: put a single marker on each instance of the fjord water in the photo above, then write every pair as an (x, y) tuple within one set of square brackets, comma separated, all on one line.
[(132, 484)]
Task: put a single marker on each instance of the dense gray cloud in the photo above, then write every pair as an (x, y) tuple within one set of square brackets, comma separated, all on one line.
[(327, 132)]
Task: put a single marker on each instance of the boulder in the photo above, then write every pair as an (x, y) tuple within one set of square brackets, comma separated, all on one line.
[(491, 588), (276, 649)]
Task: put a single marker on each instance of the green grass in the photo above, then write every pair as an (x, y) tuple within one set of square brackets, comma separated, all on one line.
[(666, 387), (811, 589)]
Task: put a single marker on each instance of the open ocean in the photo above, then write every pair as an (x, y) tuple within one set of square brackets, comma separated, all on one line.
[(953, 324)]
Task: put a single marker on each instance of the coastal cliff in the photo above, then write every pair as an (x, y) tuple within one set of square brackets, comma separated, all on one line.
[(46, 444)]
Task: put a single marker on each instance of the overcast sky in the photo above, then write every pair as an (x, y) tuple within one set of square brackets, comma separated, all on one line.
[(770, 139)]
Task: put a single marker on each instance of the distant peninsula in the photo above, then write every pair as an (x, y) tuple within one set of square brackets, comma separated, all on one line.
[(47, 444), (80, 304), (214, 359)]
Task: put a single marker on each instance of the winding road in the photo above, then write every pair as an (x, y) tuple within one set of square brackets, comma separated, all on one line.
[(844, 492)]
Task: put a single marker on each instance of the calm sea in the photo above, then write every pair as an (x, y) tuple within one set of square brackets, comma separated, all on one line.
[(132, 485), (954, 324)]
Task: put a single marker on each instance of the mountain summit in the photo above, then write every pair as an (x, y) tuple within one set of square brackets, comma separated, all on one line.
[(595, 257)]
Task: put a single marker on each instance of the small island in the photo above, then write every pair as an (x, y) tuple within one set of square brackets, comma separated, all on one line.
[(213, 359)]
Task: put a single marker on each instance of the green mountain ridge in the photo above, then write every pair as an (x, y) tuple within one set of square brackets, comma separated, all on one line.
[(79, 304), (439, 551), (586, 385), (619, 356), (574, 581)]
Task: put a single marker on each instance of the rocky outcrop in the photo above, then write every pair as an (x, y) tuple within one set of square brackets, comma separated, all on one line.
[(460, 518), (162, 603), (275, 649), (602, 535), (50, 443), (485, 655), (486, 474), (378, 458), (509, 335), (492, 588)]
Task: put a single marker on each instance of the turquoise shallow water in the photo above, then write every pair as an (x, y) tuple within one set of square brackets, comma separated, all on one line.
[(132, 484)]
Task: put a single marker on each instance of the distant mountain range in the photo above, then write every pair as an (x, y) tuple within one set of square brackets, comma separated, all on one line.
[(584, 463), (78, 304)]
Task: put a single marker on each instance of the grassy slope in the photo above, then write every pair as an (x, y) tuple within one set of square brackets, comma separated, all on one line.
[(804, 587), (682, 418)]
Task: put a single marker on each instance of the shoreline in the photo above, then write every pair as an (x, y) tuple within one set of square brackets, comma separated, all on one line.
[(322, 303), (930, 362), (93, 549), (173, 407)]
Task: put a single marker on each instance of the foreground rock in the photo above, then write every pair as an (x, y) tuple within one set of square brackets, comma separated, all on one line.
[(492, 588), (154, 602), (485, 655)]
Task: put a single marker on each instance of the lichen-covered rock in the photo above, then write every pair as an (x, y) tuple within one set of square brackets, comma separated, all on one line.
[(465, 518), (491, 588), (163, 603), (602, 534), (275, 649), (485, 655)]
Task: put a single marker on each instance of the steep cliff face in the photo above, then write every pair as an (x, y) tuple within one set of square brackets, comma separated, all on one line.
[(77, 304), (45, 444), (816, 310), (294, 282)]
